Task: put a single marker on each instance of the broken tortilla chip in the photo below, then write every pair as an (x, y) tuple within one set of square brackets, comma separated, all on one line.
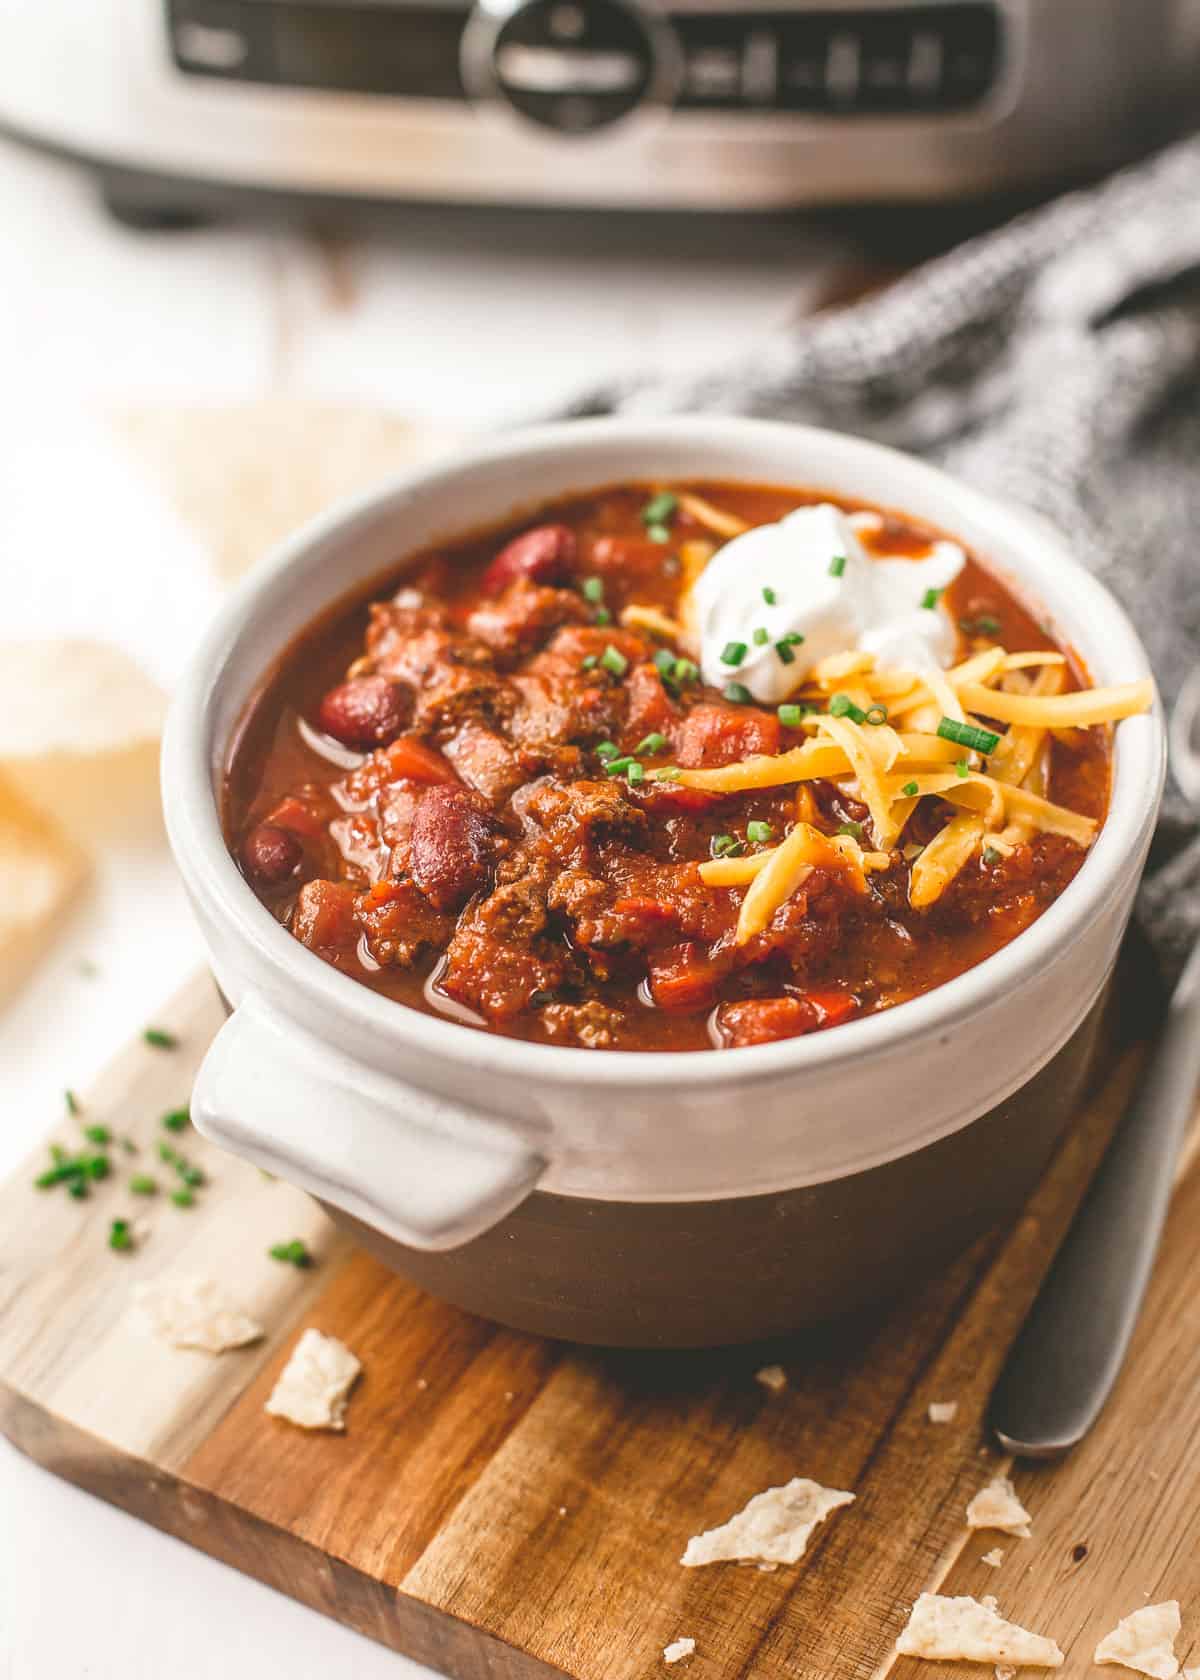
[(972, 1630), (40, 869), (81, 698), (1145, 1641)]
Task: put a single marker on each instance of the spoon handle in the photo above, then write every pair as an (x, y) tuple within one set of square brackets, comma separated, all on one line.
[(1066, 1358)]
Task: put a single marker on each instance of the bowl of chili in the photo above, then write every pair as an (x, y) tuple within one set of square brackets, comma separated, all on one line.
[(632, 930)]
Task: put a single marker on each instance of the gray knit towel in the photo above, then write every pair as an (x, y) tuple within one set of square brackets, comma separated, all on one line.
[(1055, 362)]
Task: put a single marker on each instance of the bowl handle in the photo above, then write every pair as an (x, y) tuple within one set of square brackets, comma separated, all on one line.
[(428, 1172)]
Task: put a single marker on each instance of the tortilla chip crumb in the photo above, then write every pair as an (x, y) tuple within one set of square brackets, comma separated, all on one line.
[(192, 1312), (1003, 1672), (994, 1558), (1145, 1641), (775, 1527), (773, 1377), (997, 1506), (943, 1411), (972, 1630), (678, 1649), (313, 1385)]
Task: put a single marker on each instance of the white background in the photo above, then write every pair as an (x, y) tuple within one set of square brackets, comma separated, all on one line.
[(459, 321)]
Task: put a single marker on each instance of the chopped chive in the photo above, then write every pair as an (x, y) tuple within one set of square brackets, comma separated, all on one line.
[(294, 1253), (97, 1134), (770, 597), (72, 1102), (910, 790), (738, 693), (659, 508), (96, 1166), (930, 599), (190, 1175), (618, 766), (590, 663), (658, 533), (877, 714), (119, 1234), (158, 1039), (853, 829), (182, 1198), (614, 661), (962, 769), (968, 735), (790, 715), (128, 1145), (986, 624), (733, 653), (607, 750), (77, 1187), (991, 855), (761, 637), (602, 617), (141, 1184), (724, 845), (593, 590), (650, 744), (664, 661), (758, 833), (841, 705), (837, 565), (685, 671), (167, 1154), (792, 639), (636, 773), (784, 652)]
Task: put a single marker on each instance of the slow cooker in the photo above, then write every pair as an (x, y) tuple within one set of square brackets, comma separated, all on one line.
[(697, 104)]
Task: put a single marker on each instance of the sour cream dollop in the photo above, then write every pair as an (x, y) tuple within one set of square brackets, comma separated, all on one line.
[(786, 579)]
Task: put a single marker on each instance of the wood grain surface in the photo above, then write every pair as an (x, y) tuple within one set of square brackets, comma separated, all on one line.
[(509, 1509)]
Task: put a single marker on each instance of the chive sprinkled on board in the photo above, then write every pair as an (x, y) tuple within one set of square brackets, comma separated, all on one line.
[(758, 833), (72, 1101), (738, 693), (837, 565), (770, 597), (176, 1120), (141, 1184), (183, 1198), (159, 1039), (294, 1253), (120, 1236), (968, 735), (98, 1134)]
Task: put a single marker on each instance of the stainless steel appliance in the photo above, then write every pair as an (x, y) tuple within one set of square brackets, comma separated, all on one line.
[(697, 103)]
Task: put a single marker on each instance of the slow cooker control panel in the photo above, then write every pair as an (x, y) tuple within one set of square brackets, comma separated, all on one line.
[(577, 66)]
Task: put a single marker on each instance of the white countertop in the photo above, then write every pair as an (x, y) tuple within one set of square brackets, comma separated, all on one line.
[(440, 318)]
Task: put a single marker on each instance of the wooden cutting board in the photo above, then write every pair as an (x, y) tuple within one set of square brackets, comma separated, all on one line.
[(506, 1508)]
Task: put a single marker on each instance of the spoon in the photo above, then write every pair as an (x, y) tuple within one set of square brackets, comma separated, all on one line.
[(1063, 1364)]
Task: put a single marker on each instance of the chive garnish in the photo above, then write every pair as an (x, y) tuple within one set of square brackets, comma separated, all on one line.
[(837, 565), (294, 1253), (841, 705), (72, 1102), (962, 769), (78, 1188), (968, 735), (853, 829), (770, 597), (724, 845), (607, 750), (614, 661), (119, 1234), (664, 661), (158, 1039), (141, 1184), (602, 617), (733, 653), (790, 715), (97, 1134), (182, 1198), (593, 590), (877, 714), (658, 533), (986, 624), (931, 598), (761, 637), (758, 833), (738, 693), (590, 663), (618, 766), (910, 790), (636, 773), (685, 671), (991, 855), (659, 508), (650, 744), (785, 653), (176, 1120)]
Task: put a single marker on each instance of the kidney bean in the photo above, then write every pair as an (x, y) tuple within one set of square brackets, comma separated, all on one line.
[(451, 846), (271, 855), (544, 555), (365, 712)]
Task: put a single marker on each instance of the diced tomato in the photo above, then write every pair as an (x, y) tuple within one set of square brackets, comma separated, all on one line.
[(643, 909), (831, 1006), (324, 917), (410, 757), (764, 1020), (628, 557), (713, 734), (684, 979), (294, 815), (651, 709)]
